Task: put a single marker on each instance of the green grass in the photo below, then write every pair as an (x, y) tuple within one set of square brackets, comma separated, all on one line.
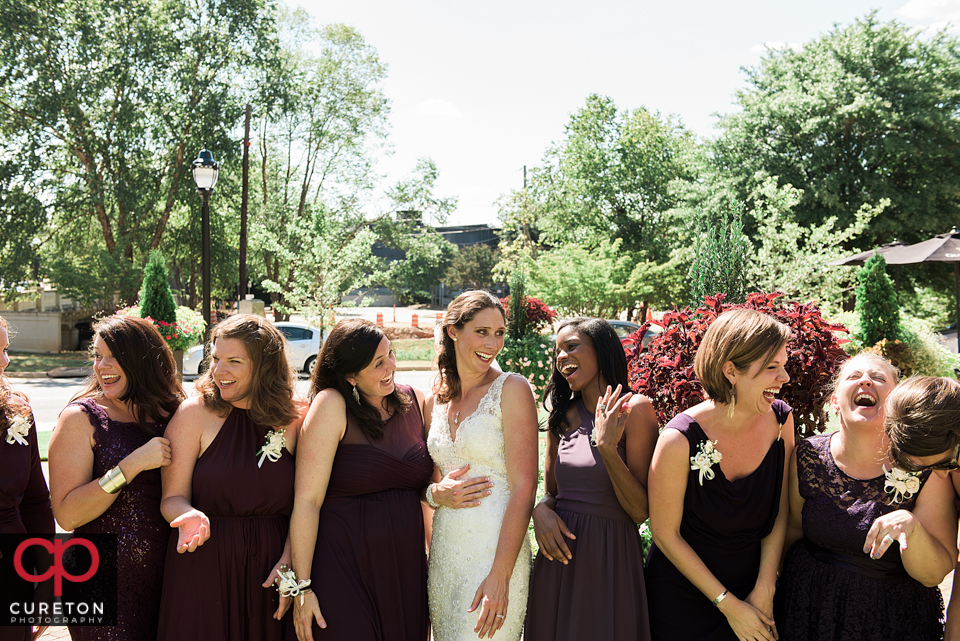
[(43, 441), (20, 362), (414, 349)]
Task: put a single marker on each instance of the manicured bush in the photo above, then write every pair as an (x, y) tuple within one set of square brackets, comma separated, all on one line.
[(665, 371), (877, 303), (516, 320), (156, 299)]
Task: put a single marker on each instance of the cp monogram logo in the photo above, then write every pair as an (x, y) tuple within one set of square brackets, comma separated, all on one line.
[(56, 548)]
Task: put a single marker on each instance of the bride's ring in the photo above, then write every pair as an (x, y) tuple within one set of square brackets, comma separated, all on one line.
[(500, 616), (602, 407)]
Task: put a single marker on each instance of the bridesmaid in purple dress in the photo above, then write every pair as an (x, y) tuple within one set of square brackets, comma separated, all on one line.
[(104, 458), (24, 499), (229, 491), (357, 529), (588, 575), (878, 529), (718, 501)]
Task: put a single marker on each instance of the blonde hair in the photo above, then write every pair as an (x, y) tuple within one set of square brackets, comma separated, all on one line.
[(741, 336)]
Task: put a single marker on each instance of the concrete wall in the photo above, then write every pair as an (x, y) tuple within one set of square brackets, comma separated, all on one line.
[(35, 331)]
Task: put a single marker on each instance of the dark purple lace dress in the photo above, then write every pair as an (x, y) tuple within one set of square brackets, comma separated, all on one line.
[(724, 522), (600, 593), (141, 531), (830, 589)]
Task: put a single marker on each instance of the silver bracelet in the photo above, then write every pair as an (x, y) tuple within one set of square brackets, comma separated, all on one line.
[(429, 496), (113, 481), (723, 595)]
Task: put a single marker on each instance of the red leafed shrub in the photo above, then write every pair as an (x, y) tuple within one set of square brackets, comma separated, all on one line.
[(539, 315), (664, 372)]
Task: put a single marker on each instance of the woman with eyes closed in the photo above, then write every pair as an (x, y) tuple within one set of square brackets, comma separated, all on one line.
[(588, 576), (923, 425), (106, 454), (228, 493), (480, 557), (718, 501), (357, 529), (879, 530)]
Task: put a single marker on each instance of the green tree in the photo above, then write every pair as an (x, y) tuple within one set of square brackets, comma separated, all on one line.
[(877, 303), (611, 177), (156, 299), (104, 99), (472, 267), (868, 111), (517, 326), (583, 282), (310, 239), (721, 258)]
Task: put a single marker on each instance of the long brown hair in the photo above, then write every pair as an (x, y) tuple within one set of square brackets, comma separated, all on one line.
[(147, 363), (7, 394), (922, 418), (350, 347), (272, 378), (461, 311)]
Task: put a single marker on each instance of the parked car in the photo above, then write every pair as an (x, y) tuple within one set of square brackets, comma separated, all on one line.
[(625, 328), (304, 343)]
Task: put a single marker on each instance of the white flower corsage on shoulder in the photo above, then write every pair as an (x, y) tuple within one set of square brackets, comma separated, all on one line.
[(18, 430), (902, 484), (705, 459), (273, 448)]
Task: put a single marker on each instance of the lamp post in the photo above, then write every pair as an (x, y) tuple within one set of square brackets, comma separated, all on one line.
[(205, 172)]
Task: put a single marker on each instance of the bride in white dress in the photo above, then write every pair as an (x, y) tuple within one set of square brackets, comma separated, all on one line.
[(479, 566)]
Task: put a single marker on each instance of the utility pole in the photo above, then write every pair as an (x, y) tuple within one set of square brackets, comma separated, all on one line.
[(242, 290)]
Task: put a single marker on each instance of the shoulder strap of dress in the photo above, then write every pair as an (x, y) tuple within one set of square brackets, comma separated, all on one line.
[(495, 393)]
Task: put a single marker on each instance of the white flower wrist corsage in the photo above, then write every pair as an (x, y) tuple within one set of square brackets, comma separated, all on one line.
[(705, 460), (288, 585), (18, 430), (273, 448), (902, 484)]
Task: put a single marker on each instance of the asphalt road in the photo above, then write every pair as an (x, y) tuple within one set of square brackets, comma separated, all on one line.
[(48, 396)]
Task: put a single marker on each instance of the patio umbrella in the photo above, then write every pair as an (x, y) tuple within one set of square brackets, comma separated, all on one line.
[(943, 248), (883, 250)]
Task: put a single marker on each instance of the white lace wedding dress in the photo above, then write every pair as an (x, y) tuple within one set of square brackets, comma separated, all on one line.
[(464, 540)]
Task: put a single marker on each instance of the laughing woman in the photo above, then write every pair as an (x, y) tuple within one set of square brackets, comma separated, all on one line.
[(229, 490), (588, 575), (718, 504), (105, 455), (877, 539)]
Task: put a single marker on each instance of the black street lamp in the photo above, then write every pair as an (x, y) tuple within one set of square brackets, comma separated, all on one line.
[(205, 172)]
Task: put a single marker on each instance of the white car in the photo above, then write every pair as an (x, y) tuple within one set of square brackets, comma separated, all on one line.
[(303, 344)]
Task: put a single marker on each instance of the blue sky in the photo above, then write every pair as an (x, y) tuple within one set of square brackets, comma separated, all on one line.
[(484, 89)]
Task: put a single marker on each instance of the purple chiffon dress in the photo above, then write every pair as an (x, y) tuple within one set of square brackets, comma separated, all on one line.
[(215, 593), (830, 589), (24, 502), (369, 566), (724, 522), (600, 593), (140, 528)]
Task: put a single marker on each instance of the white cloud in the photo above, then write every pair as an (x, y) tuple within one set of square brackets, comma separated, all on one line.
[(776, 45), (936, 13), (439, 108)]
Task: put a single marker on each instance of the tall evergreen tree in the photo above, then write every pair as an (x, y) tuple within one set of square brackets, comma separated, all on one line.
[(722, 257), (877, 303), (156, 299)]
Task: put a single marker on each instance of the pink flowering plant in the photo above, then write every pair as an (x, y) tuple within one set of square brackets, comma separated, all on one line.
[(180, 335), (530, 356)]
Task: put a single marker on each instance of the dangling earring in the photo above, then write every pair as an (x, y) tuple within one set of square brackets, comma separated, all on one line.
[(733, 401), (356, 394)]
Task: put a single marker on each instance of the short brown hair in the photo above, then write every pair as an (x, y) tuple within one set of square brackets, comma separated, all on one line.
[(147, 362), (272, 385), (741, 336), (922, 418), (462, 310)]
